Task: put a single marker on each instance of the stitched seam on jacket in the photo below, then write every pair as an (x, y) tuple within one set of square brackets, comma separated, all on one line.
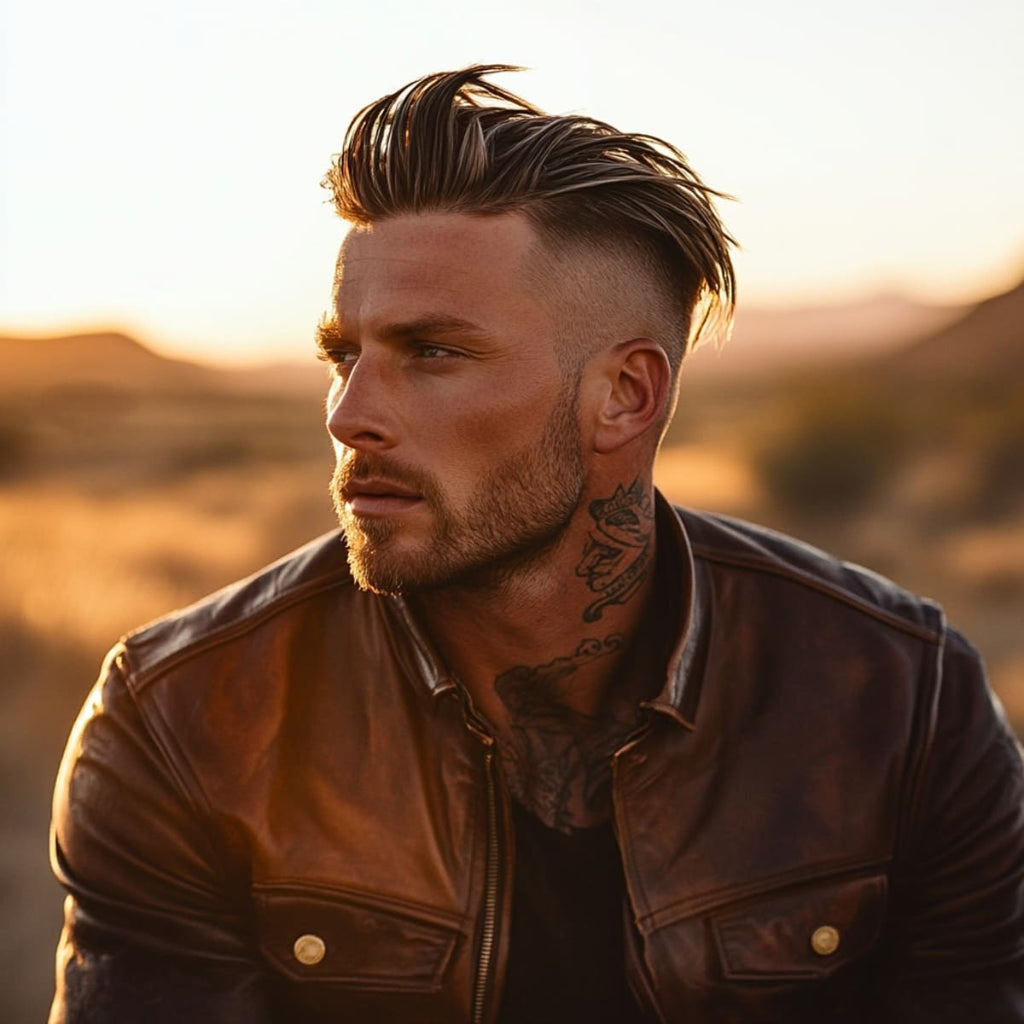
[(720, 899), (140, 678), (421, 913), (178, 769), (921, 744), (824, 587)]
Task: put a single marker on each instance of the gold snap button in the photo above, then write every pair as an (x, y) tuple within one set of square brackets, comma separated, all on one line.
[(309, 949), (825, 940)]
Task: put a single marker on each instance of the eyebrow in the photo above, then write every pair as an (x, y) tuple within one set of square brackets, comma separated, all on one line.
[(328, 332), (331, 332)]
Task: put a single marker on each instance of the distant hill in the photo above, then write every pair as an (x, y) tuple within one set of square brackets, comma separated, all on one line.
[(107, 360), (987, 342), (766, 341), (113, 362), (889, 331)]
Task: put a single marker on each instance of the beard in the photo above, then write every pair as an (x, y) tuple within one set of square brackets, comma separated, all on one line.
[(520, 509)]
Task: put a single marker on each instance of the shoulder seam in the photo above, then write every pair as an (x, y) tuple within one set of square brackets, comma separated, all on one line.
[(139, 677), (173, 761), (824, 587)]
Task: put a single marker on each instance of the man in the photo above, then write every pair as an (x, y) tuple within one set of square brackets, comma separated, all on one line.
[(531, 744)]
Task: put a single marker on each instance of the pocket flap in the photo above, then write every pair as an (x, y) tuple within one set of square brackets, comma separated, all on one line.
[(355, 940), (805, 932)]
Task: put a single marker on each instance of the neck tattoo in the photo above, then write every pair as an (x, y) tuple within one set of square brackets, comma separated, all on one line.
[(617, 555), (557, 760)]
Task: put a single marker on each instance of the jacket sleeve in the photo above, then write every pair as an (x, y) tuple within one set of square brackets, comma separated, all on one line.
[(155, 923), (958, 885)]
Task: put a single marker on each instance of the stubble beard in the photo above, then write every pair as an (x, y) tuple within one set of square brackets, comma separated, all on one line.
[(521, 508)]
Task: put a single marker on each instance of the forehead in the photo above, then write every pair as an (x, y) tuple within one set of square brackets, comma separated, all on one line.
[(472, 266)]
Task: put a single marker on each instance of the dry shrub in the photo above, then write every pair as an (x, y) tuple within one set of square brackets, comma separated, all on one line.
[(832, 451)]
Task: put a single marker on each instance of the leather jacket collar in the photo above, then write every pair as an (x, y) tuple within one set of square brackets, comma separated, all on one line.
[(678, 697)]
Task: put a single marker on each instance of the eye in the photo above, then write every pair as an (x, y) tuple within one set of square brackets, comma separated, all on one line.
[(340, 359), (429, 350)]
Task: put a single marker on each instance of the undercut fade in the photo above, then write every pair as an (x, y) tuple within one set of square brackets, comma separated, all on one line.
[(453, 142)]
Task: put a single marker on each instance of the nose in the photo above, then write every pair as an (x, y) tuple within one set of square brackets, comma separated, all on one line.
[(358, 412)]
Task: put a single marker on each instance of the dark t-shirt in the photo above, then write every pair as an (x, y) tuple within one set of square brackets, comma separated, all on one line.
[(566, 960)]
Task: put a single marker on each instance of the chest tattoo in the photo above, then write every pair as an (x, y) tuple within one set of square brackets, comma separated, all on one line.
[(557, 760), (617, 555)]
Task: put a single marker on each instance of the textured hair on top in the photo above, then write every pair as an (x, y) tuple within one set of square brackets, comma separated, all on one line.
[(454, 142)]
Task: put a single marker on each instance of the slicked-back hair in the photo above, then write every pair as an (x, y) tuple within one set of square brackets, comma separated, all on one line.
[(454, 142)]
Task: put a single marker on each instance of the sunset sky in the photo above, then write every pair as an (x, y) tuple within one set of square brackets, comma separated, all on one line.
[(159, 163)]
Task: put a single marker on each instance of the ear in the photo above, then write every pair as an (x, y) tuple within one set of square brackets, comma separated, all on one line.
[(635, 377)]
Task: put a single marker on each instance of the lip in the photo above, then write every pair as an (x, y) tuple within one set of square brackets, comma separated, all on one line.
[(378, 498)]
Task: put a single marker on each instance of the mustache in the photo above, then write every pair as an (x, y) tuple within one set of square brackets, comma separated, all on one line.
[(361, 466)]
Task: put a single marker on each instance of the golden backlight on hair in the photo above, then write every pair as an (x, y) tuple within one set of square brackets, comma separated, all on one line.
[(452, 141)]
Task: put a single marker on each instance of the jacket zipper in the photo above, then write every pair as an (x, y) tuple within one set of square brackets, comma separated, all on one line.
[(483, 971)]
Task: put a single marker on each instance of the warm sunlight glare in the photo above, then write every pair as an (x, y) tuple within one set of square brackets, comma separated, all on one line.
[(161, 164)]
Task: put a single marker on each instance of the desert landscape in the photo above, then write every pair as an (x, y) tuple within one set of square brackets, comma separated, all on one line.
[(131, 484)]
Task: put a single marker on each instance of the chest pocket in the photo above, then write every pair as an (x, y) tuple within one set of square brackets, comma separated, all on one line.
[(354, 940), (802, 933)]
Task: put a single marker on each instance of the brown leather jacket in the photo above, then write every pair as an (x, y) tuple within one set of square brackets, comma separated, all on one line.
[(275, 807)]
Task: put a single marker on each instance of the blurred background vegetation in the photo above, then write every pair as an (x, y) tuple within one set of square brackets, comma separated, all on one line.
[(131, 484)]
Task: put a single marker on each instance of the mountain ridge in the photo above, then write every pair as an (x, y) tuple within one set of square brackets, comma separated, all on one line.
[(986, 342), (888, 333)]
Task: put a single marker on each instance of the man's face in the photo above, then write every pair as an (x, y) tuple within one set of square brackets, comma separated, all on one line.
[(456, 434)]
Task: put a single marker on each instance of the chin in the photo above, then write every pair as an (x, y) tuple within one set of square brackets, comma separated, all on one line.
[(378, 579), (372, 565), (383, 565)]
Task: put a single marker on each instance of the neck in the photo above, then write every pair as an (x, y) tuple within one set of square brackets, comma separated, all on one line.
[(555, 657)]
